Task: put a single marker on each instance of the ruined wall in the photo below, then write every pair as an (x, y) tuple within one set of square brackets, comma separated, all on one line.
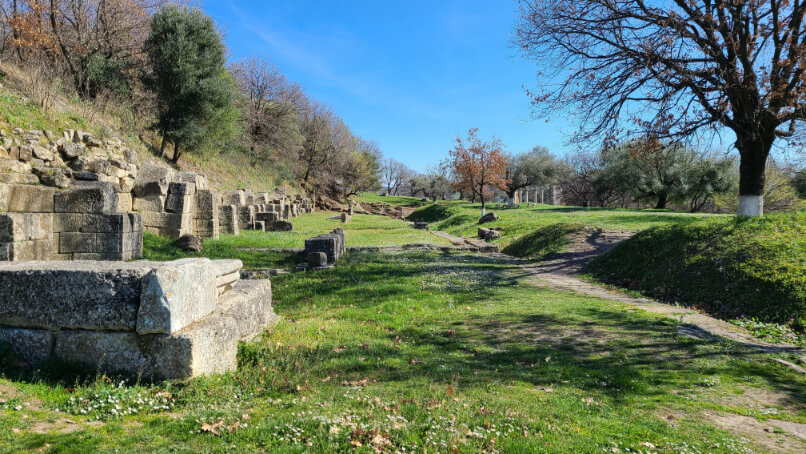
[(73, 196)]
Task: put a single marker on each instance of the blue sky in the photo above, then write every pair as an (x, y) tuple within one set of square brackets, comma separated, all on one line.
[(411, 75)]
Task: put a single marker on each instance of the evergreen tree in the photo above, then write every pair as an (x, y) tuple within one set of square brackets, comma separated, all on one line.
[(188, 76)]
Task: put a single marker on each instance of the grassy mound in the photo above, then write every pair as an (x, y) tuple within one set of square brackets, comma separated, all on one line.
[(433, 213), (394, 200), (731, 267), (542, 242)]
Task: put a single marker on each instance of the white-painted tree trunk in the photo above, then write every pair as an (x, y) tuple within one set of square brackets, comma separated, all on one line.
[(526, 196), (751, 205), (511, 202), (482, 211)]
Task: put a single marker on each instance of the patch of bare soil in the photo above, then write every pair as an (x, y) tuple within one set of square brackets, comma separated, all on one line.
[(62, 425), (777, 436), (760, 399)]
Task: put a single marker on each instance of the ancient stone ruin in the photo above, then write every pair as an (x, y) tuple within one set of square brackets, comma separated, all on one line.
[(162, 319), (73, 210), (324, 250)]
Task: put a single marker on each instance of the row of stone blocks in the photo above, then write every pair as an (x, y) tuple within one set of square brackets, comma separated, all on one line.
[(41, 223), (154, 319)]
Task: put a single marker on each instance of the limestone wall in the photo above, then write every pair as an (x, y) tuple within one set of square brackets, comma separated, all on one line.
[(75, 197)]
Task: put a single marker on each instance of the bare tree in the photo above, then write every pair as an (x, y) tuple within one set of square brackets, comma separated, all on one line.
[(672, 68), (272, 105), (394, 174)]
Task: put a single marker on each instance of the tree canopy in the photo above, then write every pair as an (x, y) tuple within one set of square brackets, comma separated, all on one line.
[(672, 68)]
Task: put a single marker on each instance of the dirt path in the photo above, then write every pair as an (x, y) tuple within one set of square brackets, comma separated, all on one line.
[(560, 273)]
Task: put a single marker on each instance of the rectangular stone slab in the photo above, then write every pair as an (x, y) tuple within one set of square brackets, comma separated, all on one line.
[(176, 294), (206, 347), (76, 295)]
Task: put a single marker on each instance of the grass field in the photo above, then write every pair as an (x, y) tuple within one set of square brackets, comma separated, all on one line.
[(362, 230), (424, 352), (461, 219), (733, 267)]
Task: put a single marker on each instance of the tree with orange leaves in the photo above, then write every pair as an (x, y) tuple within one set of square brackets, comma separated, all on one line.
[(478, 165)]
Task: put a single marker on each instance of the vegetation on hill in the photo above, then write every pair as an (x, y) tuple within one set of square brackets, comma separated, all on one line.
[(733, 267), (428, 353), (393, 200), (461, 218)]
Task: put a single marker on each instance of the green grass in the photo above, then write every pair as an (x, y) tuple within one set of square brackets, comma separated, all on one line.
[(732, 267), (362, 230), (461, 219), (395, 200), (543, 242), (17, 113), (427, 352)]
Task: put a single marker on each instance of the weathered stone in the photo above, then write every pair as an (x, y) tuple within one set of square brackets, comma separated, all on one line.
[(77, 295), (149, 203), (87, 197), (198, 180), (246, 216), (13, 165), (150, 172), (97, 223), (227, 219), (206, 204), (268, 217), (83, 164), (178, 203), (18, 178), (25, 226), (280, 226), (71, 150), (43, 154), (126, 185), (489, 217), (176, 295), (29, 345), (237, 198), (152, 188), (421, 225), (129, 155), (189, 243), (54, 177), (317, 259), (327, 244), (345, 218), (124, 202), (28, 199), (25, 154), (181, 189)]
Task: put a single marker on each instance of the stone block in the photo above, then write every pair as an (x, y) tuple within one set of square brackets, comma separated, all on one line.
[(71, 242), (71, 295), (206, 229), (176, 295), (71, 150), (97, 223), (181, 189), (150, 189), (268, 216), (259, 225), (178, 203), (153, 173), (227, 219), (43, 154), (124, 202), (149, 203), (317, 259), (327, 244), (126, 184), (246, 215), (25, 154), (25, 226), (206, 204), (29, 345), (18, 178), (198, 180), (26, 199), (87, 197), (279, 226), (26, 250), (237, 198)]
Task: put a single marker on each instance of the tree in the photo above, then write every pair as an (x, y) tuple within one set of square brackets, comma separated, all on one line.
[(189, 77), (533, 168), (272, 105), (478, 165), (673, 68), (779, 193), (393, 175), (799, 182), (710, 177), (355, 169), (432, 184)]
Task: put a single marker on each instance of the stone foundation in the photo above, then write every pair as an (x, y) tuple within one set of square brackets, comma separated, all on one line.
[(167, 320)]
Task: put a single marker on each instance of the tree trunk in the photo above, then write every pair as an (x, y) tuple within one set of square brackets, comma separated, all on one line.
[(162, 147), (177, 153), (752, 168), (662, 199), (483, 205)]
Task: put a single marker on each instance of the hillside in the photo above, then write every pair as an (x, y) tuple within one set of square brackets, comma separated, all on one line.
[(732, 267), (226, 169)]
